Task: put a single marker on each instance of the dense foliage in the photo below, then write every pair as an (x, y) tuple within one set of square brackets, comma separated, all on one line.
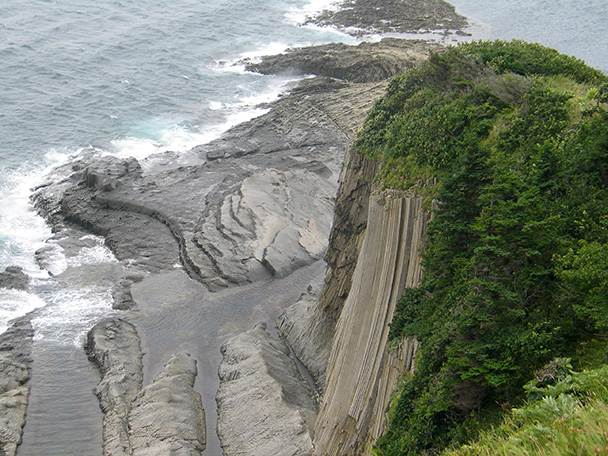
[(511, 142), (566, 415)]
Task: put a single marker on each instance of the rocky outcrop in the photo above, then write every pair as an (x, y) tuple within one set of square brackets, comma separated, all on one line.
[(361, 373), (113, 345), (14, 278), (163, 418), (364, 17), (256, 203), (15, 371), (264, 405), (309, 326), (167, 417), (367, 62)]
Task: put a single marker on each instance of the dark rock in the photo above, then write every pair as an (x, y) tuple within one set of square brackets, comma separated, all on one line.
[(13, 277), (364, 17), (122, 299)]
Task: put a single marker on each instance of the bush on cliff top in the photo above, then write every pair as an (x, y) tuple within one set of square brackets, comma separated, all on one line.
[(514, 139)]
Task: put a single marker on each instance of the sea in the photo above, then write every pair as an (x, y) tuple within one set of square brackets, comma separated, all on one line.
[(134, 78)]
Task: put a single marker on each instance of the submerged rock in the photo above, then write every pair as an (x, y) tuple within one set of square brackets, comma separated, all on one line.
[(13, 277), (264, 405)]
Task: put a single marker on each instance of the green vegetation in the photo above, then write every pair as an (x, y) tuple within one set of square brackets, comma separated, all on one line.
[(567, 415), (511, 141)]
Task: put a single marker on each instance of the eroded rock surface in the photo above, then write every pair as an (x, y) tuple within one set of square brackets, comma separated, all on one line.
[(167, 417), (264, 405), (15, 371), (114, 346), (367, 62), (164, 418)]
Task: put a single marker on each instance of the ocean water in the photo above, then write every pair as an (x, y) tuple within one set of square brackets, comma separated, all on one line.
[(578, 28), (135, 78), (132, 78)]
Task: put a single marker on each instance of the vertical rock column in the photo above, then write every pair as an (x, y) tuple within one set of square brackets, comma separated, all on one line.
[(361, 374)]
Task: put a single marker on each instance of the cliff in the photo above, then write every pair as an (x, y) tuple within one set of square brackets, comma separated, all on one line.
[(361, 373)]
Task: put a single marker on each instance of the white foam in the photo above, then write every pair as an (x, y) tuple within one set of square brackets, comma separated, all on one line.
[(299, 15), (16, 303), (70, 313), (97, 254), (273, 48), (23, 231)]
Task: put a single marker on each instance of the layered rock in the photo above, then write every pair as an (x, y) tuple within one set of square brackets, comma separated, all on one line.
[(367, 62), (264, 405), (361, 373), (165, 417), (114, 346), (15, 371)]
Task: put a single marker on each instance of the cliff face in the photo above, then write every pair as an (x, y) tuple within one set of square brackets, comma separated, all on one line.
[(310, 326), (361, 373)]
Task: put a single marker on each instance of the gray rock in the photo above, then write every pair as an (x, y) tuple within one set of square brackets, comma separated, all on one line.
[(164, 418), (113, 345), (122, 299), (15, 371), (253, 204), (167, 417), (13, 277), (264, 405)]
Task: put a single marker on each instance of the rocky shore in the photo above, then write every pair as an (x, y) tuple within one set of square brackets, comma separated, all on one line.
[(15, 372), (210, 241)]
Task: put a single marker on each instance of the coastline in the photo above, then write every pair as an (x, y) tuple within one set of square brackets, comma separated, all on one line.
[(151, 215), (229, 263)]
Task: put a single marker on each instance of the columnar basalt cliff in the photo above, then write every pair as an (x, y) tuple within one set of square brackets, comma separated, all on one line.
[(310, 328), (361, 373)]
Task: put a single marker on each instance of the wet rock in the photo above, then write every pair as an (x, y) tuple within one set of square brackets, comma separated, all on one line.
[(15, 371), (122, 299), (13, 277), (264, 405), (165, 417), (365, 17)]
